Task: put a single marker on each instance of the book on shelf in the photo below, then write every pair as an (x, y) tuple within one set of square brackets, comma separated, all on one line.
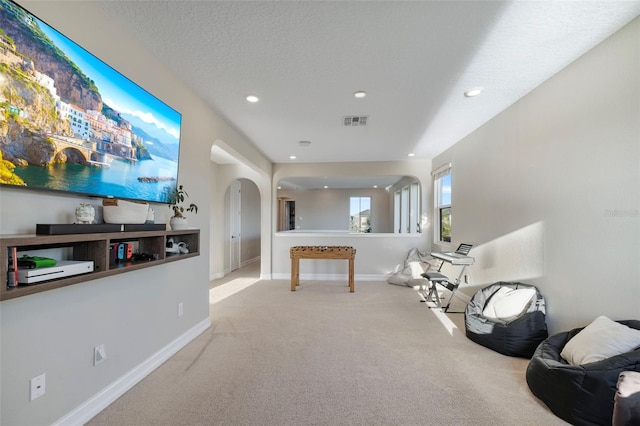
[(12, 270)]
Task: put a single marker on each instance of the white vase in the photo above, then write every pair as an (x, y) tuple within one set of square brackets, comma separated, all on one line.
[(178, 223), (85, 213)]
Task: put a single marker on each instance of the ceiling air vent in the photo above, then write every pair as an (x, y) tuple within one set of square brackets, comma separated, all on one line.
[(355, 120)]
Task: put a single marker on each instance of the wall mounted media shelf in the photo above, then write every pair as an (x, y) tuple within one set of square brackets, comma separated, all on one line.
[(94, 247)]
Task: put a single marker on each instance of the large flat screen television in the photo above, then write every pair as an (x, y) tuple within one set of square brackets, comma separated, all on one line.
[(69, 122)]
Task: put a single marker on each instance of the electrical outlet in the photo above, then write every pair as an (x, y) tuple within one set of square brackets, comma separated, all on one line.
[(180, 309), (37, 387), (99, 354)]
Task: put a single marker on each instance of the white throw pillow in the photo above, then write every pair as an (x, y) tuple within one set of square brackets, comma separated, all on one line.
[(601, 339), (508, 303)]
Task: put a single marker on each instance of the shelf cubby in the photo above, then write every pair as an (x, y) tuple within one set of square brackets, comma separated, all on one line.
[(91, 247)]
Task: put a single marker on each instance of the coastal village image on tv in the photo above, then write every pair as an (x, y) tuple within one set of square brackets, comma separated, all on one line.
[(70, 122)]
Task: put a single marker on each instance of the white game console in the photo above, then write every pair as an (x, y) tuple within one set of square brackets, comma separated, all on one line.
[(63, 268)]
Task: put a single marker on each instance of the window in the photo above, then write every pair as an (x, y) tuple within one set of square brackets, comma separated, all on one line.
[(414, 208), (360, 214), (406, 210), (442, 203), (396, 212)]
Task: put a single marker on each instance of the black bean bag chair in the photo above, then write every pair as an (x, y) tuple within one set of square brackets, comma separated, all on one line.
[(579, 394), (514, 336)]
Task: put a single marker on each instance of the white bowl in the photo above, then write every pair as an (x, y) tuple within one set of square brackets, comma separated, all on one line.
[(126, 212)]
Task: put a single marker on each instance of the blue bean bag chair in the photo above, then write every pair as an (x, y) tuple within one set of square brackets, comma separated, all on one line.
[(508, 318)]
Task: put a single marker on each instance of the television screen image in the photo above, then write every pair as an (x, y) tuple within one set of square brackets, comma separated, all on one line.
[(69, 122)]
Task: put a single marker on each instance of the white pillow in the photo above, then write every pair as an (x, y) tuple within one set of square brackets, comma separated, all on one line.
[(508, 303), (601, 339)]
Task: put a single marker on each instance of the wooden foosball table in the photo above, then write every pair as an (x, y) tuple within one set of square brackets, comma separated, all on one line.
[(320, 252)]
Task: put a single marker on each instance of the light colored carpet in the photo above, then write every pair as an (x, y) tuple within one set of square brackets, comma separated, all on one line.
[(324, 356)]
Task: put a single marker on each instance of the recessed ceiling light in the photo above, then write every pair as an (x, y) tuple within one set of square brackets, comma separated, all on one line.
[(360, 94), (292, 157), (375, 186), (473, 92), (325, 187), (411, 154), (279, 187), (253, 99)]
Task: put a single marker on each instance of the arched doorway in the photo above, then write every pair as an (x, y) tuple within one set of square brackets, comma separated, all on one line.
[(254, 217)]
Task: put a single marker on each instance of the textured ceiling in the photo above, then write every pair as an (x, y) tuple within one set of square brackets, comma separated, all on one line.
[(305, 60)]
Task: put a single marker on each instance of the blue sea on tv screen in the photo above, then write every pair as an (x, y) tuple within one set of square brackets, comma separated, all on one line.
[(118, 181)]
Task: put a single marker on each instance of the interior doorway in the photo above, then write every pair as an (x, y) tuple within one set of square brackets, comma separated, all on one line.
[(286, 214), (235, 224), (242, 225), (250, 227)]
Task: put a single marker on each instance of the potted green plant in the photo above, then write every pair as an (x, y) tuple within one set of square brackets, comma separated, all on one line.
[(178, 205)]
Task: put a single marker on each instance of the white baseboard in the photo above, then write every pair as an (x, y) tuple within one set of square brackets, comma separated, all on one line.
[(88, 409), (216, 276), (250, 261), (227, 271), (371, 277), (331, 277)]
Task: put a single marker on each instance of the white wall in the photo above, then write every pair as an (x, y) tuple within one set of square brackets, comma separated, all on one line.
[(133, 314), (377, 255), (549, 190), (318, 209)]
